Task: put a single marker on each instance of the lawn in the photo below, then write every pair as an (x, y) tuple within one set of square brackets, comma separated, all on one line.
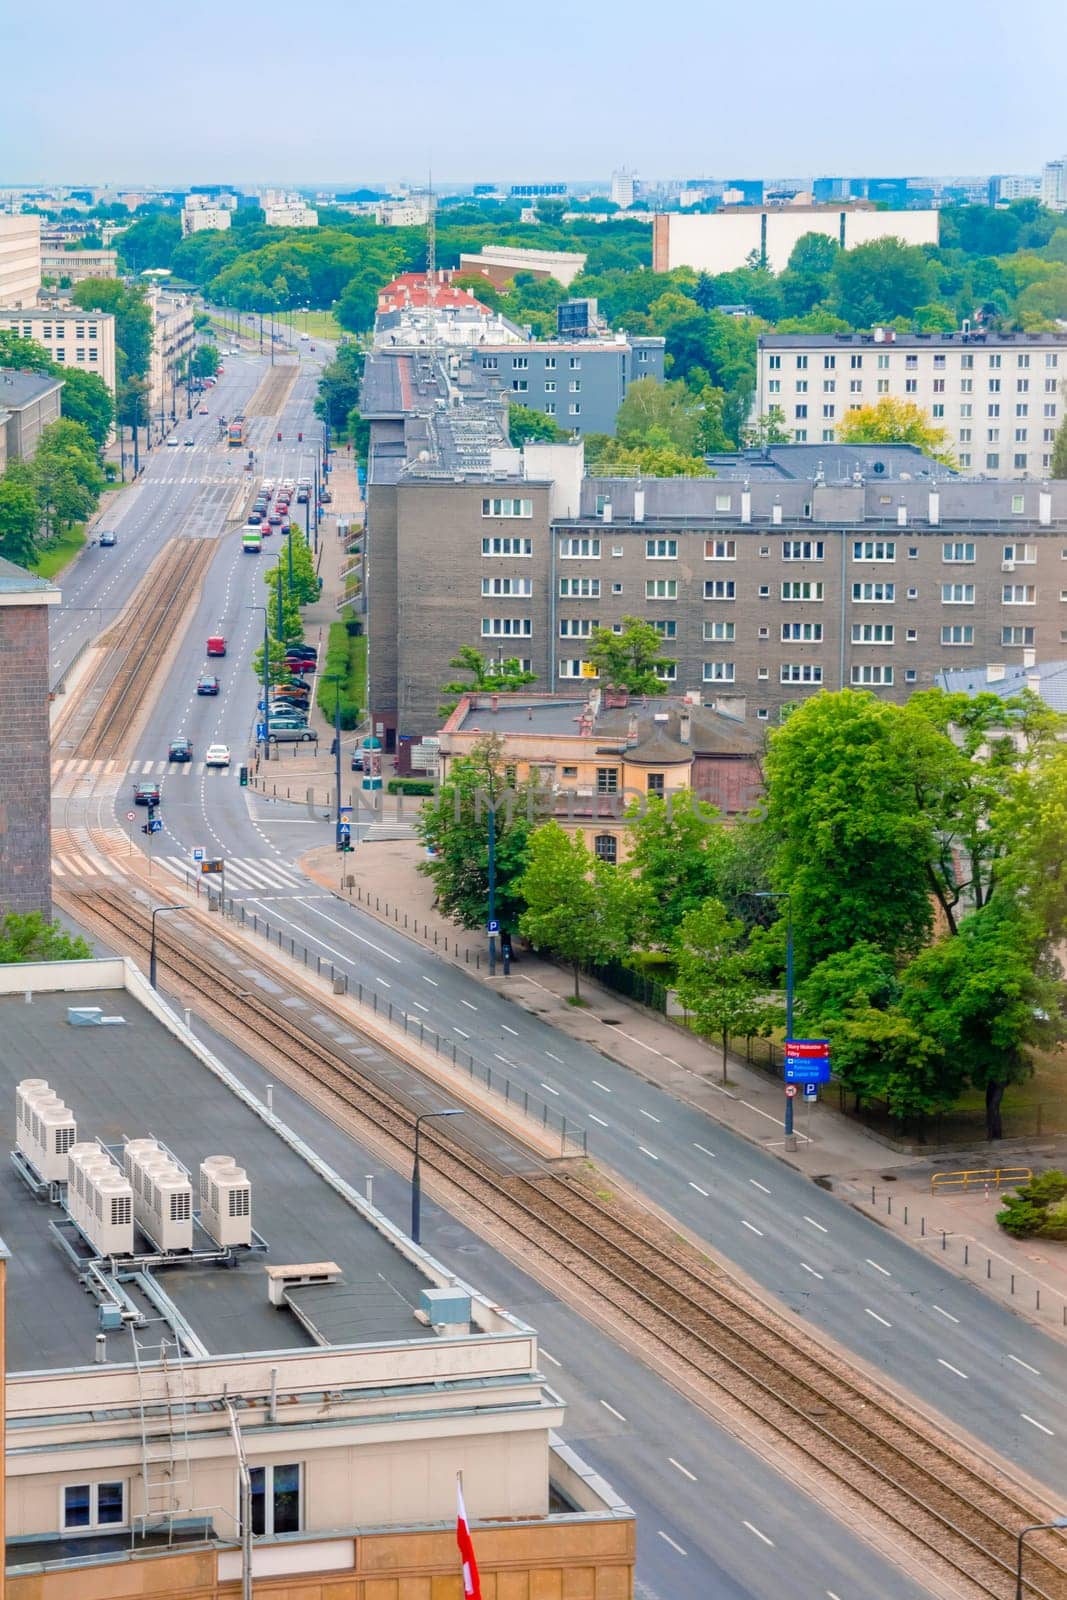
[(60, 552), (318, 324)]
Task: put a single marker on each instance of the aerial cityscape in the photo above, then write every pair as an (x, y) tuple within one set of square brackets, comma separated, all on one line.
[(536, 734)]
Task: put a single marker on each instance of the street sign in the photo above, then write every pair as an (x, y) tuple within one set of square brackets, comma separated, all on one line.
[(790, 1091), (492, 926), (198, 853), (261, 732), (807, 1061), (131, 816), (212, 864), (811, 1091), (156, 825)]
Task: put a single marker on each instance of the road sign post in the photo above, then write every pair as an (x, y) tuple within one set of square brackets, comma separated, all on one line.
[(807, 1064)]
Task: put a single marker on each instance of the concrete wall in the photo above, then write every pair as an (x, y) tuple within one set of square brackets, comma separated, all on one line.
[(25, 772), (722, 241)]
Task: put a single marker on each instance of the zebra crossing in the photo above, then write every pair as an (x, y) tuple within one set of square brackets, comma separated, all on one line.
[(83, 767), (72, 865), (249, 874)]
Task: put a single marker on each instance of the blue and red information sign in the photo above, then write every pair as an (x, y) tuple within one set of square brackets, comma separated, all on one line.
[(807, 1061)]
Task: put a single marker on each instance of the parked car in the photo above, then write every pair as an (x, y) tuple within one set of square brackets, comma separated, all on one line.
[(287, 731), (146, 794), (357, 759), (180, 750), (308, 651), (325, 497), (207, 683), (108, 538), (217, 755)]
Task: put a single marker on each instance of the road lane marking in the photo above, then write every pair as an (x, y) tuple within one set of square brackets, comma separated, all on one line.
[(504, 1059), (506, 1029), (353, 935), (420, 1005), (668, 1540), (547, 1357), (752, 1227), (683, 1470), (549, 1087), (648, 1153), (947, 1314), (704, 1150), (812, 1270), (648, 1114), (614, 1413), (757, 1185), (425, 979), (594, 1118), (598, 1085), (877, 1318), (943, 1363), (460, 1032), (552, 1057), (699, 1190), (1034, 1423), (816, 1224), (1025, 1364), (883, 1270), (751, 1526), (467, 1003)]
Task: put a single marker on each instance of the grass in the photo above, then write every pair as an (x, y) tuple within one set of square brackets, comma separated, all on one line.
[(317, 324), (60, 552)]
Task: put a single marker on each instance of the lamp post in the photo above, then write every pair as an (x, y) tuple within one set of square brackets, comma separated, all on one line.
[(266, 679), (152, 945), (765, 894), (416, 1190), (1035, 1527), (336, 679)]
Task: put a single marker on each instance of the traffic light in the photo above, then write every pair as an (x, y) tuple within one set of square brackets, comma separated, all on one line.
[(242, 775)]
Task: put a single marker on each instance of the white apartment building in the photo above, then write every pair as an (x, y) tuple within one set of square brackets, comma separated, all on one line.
[(288, 211), (722, 241), (999, 397), (173, 342), (72, 337), (20, 260), (79, 264), (199, 218), (622, 188), (1054, 184)]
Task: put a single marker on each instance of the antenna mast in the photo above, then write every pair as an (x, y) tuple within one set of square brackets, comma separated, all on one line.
[(431, 263)]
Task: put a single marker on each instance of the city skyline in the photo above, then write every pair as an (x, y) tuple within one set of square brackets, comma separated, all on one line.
[(270, 106)]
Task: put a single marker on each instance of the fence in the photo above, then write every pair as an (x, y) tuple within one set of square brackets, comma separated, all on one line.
[(573, 1139), (634, 985), (981, 1178)]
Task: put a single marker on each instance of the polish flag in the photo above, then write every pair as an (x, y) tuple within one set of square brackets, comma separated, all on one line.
[(472, 1589)]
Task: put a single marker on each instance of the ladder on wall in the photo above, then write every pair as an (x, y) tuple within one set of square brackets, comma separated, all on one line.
[(165, 1463)]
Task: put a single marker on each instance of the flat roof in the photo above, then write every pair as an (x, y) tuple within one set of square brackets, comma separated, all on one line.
[(909, 341), (18, 389), (138, 1079)]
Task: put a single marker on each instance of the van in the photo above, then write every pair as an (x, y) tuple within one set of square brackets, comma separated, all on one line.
[(216, 645), (288, 730)]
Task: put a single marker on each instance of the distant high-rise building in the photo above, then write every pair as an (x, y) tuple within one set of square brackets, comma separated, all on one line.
[(1054, 184), (622, 188), (1014, 187), (20, 260)]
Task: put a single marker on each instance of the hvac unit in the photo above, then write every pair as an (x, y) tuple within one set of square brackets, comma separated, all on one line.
[(45, 1129), (100, 1200), (225, 1201), (82, 1160), (27, 1091), (162, 1194)]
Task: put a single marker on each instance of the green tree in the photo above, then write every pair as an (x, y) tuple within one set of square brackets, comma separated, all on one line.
[(149, 242), (892, 421), (655, 458), (525, 424), (277, 671), (455, 826), (678, 851), (1033, 823), (485, 292), (630, 659), (881, 280), (577, 907), (806, 279), (714, 981), (20, 516), (27, 936), (487, 676), (339, 385), (205, 361), (658, 412), (1059, 452), (86, 399), (67, 474), (358, 305), (768, 428), (133, 320), (710, 412), (25, 355)]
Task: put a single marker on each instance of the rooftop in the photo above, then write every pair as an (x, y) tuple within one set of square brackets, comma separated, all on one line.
[(884, 338), (16, 580), (140, 1079), (1046, 678), (656, 737), (18, 389)]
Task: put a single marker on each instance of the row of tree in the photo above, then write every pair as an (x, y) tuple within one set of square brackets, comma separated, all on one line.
[(918, 854)]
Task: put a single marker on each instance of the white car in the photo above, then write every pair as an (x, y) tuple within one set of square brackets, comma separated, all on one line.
[(217, 755), (172, 444), (305, 336)]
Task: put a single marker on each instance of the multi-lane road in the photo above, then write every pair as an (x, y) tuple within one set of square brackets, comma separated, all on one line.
[(986, 1370)]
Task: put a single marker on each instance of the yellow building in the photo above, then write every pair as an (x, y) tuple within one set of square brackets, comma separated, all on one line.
[(72, 337)]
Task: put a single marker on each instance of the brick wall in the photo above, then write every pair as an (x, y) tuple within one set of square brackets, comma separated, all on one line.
[(25, 779)]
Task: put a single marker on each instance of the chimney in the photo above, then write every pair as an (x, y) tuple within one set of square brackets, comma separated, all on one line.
[(685, 726), (902, 515), (1044, 508), (639, 505), (1029, 657), (933, 515), (746, 503), (631, 728), (776, 511), (1033, 682), (994, 672)]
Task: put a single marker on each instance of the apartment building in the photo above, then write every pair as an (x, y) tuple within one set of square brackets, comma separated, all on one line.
[(72, 337), (20, 260), (227, 1370), (998, 396), (74, 265), (173, 342), (723, 241), (579, 383), (29, 401), (1054, 184)]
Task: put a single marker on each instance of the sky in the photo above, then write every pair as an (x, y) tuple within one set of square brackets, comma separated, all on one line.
[(341, 93)]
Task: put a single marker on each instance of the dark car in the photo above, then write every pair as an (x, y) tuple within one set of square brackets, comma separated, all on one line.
[(357, 759), (325, 497), (146, 794), (307, 651), (208, 684), (180, 750), (255, 517), (108, 538), (275, 520)]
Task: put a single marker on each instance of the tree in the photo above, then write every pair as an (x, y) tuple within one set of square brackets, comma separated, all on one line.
[(67, 474), (455, 826), (714, 982), (660, 413), (577, 907), (27, 936), (25, 355), (86, 399), (525, 424), (768, 428), (710, 413), (20, 515), (655, 458), (630, 658), (1059, 452), (205, 361), (483, 290), (149, 242), (806, 279), (358, 305), (133, 320), (677, 850), (497, 677), (892, 421), (339, 385), (881, 280)]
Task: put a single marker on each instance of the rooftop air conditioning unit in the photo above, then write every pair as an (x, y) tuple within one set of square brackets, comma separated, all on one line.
[(100, 1200), (45, 1129), (225, 1201), (162, 1194)]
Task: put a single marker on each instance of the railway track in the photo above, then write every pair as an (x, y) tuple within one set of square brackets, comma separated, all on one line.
[(273, 390), (958, 1514)]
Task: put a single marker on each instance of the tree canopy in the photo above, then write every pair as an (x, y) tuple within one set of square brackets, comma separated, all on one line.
[(632, 658), (892, 421)]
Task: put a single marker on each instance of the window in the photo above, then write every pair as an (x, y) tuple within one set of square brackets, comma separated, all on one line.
[(874, 550), (607, 780), (911, 385), (506, 627), (507, 508), (576, 627), (1022, 386), (800, 672), (575, 410), (855, 386), (883, 363), (802, 550), (1014, 636), (1052, 361), (800, 413), (913, 552), (802, 386), (882, 385), (605, 845), (965, 458), (774, 363), (275, 1499), (872, 633), (550, 363), (550, 408), (573, 668), (1021, 554), (720, 632), (511, 586), (720, 549), (1019, 594), (802, 633), (939, 386), (957, 552), (957, 633), (881, 593), (763, 672), (957, 594), (579, 588), (575, 386), (855, 362), (667, 629), (666, 671), (828, 412), (720, 589), (520, 363), (965, 436), (911, 363), (872, 675), (829, 362), (616, 588), (937, 410), (88, 1506), (575, 363), (1022, 360), (718, 672), (661, 589), (829, 386), (994, 361), (993, 462), (489, 363), (579, 549), (800, 435), (801, 591), (550, 386), (994, 385), (519, 385), (661, 549), (507, 547), (802, 363)]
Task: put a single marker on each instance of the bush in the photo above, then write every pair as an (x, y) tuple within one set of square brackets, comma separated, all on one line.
[(409, 786), (1046, 1188), (1020, 1217), (1038, 1207), (346, 658)]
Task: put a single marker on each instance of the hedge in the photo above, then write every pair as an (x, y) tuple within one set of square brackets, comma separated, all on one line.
[(409, 786), (345, 658)]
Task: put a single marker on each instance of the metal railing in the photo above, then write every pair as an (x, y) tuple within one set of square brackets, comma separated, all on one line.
[(980, 1178)]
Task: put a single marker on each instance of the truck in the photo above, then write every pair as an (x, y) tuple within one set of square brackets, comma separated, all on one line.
[(216, 645), (251, 541)]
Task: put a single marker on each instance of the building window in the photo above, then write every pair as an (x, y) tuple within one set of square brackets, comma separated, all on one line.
[(802, 633), (665, 671), (800, 435), (872, 633), (720, 549), (506, 627), (550, 386), (505, 546), (957, 594), (550, 408), (958, 552), (574, 668), (774, 363), (607, 780), (1016, 636), (855, 362), (661, 549), (882, 385), (874, 550), (957, 633), (800, 672), (519, 385), (911, 385), (275, 1499), (720, 589), (802, 363), (718, 672), (575, 386), (828, 413), (802, 550), (489, 363), (655, 783), (802, 386), (720, 632), (579, 588), (576, 627), (802, 591), (994, 361), (723, 502), (89, 1506), (1021, 554), (550, 363), (575, 363), (667, 629), (517, 587), (800, 412), (992, 462), (661, 589), (507, 508), (1019, 594), (579, 549), (911, 363), (877, 593), (605, 845), (872, 675), (519, 363)]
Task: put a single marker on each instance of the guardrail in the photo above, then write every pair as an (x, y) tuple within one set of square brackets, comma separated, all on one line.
[(980, 1178)]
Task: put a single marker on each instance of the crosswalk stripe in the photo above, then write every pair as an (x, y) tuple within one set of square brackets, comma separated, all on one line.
[(257, 877)]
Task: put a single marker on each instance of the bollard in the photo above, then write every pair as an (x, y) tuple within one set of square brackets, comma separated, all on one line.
[(889, 1205), (1013, 1283), (943, 1240), (369, 1185), (966, 1255), (1037, 1300), (270, 1098), (922, 1228), (988, 1267), (872, 1194), (905, 1216), (188, 1018)]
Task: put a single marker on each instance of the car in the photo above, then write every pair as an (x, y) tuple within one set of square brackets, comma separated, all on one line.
[(255, 518), (325, 497), (108, 538), (287, 731), (308, 651), (146, 794), (313, 349), (217, 755), (189, 443), (207, 683), (292, 703), (357, 759), (274, 520), (204, 411), (304, 337), (172, 444), (180, 750)]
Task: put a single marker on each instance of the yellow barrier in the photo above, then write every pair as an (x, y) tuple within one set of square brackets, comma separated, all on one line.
[(1000, 1177)]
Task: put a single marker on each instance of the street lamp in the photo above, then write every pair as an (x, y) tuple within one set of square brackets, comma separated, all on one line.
[(266, 679), (152, 945), (766, 894), (337, 678), (1035, 1527), (416, 1193)]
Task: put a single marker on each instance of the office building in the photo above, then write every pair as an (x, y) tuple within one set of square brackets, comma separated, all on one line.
[(29, 401), (622, 189), (72, 337), (998, 396), (500, 263), (1004, 189), (71, 266), (20, 260), (1054, 184), (25, 773), (724, 240), (230, 1364)]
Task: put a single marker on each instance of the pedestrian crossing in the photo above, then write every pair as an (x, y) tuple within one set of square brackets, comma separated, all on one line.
[(82, 767), (71, 865), (247, 874)]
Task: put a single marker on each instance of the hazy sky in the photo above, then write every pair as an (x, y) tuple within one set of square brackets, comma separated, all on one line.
[(339, 91)]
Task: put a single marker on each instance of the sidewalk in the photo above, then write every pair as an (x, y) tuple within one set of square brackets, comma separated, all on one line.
[(1030, 1276)]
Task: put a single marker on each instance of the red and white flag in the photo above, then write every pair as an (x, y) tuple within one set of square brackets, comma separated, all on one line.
[(472, 1589)]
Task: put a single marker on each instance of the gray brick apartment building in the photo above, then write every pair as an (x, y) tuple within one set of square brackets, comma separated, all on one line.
[(25, 772)]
